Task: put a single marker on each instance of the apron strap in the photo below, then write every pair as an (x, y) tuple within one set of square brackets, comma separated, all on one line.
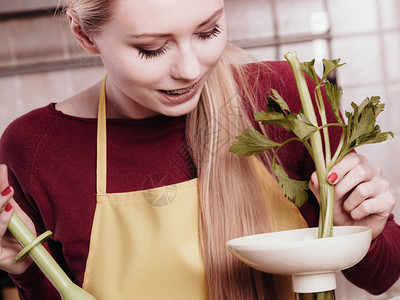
[(101, 170)]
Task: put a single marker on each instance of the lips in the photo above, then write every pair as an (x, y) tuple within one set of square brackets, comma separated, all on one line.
[(180, 91), (181, 95)]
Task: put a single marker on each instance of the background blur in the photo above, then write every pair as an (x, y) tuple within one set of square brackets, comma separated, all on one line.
[(41, 63)]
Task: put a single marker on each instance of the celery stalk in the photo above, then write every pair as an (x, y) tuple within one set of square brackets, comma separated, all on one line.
[(46, 263), (325, 228)]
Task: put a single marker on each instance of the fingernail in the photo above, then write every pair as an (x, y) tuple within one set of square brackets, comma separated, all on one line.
[(332, 178), (344, 211), (6, 191), (8, 207)]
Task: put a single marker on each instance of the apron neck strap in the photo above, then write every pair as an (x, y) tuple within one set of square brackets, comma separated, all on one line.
[(101, 164)]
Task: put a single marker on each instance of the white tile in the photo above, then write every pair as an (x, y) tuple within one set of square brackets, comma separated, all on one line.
[(38, 39), (392, 55), (390, 11), (5, 49), (363, 59), (392, 110), (249, 19), (357, 94), (353, 16), (264, 53), (39, 89), (86, 77), (305, 51), (294, 16), (9, 101)]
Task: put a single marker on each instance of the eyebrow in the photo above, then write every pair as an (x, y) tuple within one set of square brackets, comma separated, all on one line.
[(215, 15)]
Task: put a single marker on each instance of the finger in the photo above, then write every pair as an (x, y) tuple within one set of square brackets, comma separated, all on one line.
[(364, 191), (379, 206), (6, 208), (6, 196), (357, 175), (7, 191), (5, 217), (347, 163), (3, 177), (314, 185)]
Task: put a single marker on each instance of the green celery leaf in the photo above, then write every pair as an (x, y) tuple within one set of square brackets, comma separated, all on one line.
[(330, 66), (273, 106), (251, 142), (274, 118), (374, 103), (277, 103), (374, 137), (308, 68), (362, 128), (364, 117), (302, 127), (294, 190), (296, 123), (334, 95)]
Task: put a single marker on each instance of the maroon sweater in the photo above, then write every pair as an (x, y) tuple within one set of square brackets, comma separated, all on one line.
[(52, 159)]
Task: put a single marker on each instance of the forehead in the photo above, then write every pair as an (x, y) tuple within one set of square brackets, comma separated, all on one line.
[(161, 15)]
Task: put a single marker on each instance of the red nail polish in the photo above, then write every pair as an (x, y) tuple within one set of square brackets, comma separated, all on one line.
[(8, 207), (6, 191), (344, 211), (332, 178)]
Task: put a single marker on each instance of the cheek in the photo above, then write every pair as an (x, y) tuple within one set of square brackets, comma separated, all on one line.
[(212, 53), (132, 72), (129, 71)]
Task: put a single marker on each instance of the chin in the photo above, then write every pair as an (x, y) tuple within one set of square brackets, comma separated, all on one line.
[(178, 113), (182, 109)]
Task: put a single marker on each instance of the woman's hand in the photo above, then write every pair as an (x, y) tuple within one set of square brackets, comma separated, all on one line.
[(9, 247), (362, 196)]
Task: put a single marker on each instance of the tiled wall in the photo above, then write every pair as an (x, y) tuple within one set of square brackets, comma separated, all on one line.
[(40, 43), (364, 33)]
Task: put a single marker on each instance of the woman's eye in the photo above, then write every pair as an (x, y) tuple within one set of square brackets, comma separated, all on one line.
[(147, 54), (210, 34)]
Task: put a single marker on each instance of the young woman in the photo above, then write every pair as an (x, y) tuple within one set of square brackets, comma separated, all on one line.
[(134, 178)]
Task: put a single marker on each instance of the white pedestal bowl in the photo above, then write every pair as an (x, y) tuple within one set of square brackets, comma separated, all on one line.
[(312, 262)]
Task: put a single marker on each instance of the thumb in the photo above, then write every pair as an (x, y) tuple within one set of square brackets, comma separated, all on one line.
[(3, 177), (314, 185)]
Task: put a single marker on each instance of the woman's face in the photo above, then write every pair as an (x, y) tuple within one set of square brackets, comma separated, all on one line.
[(158, 54)]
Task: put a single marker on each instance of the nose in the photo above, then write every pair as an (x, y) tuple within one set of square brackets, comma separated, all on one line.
[(186, 65)]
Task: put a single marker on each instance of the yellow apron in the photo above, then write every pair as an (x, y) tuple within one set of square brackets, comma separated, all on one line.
[(144, 244)]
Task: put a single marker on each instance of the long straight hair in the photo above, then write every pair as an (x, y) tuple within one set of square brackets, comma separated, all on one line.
[(231, 199)]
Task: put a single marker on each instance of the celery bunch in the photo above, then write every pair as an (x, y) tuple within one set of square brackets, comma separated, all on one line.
[(361, 129)]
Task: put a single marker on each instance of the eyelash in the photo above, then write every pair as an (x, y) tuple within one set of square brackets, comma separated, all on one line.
[(143, 53), (211, 34), (148, 54)]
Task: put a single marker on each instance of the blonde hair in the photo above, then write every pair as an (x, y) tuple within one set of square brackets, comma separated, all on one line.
[(232, 202), (92, 14)]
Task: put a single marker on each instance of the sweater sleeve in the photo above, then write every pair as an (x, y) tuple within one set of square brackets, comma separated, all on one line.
[(380, 268), (17, 147), (33, 285)]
